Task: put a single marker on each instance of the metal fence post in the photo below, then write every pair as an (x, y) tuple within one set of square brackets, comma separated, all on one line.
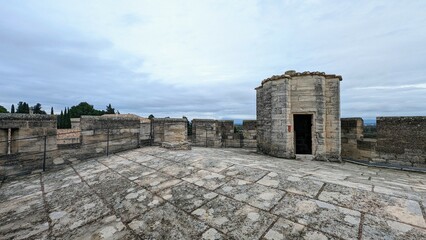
[(44, 153), (138, 140), (206, 135), (107, 148)]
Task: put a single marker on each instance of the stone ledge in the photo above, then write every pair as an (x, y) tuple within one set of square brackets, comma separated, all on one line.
[(290, 74)]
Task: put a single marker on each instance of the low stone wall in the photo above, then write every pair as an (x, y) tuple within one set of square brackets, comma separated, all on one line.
[(172, 130), (352, 132), (221, 133), (68, 136), (402, 140), (249, 134), (206, 132), (23, 139)]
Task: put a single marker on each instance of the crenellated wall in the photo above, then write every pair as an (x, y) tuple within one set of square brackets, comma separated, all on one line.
[(221, 133)]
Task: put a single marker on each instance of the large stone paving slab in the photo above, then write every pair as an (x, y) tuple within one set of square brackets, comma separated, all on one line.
[(187, 196), (213, 165), (292, 184), (157, 181), (207, 179), (245, 173), (254, 194), (389, 207), (72, 207), (378, 228), (206, 193), (285, 229), (179, 170), (20, 188), (60, 179), (157, 163), (108, 227), (167, 222), (23, 217), (133, 202), (319, 215), (238, 220)]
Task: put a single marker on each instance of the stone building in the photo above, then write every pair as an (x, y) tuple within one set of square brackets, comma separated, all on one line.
[(299, 113)]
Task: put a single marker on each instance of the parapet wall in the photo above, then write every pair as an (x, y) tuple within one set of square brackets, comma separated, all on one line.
[(170, 130), (221, 133), (402, 139), (23, 138)]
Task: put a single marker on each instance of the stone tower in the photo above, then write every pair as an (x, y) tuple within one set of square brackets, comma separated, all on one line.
[(299, 113)]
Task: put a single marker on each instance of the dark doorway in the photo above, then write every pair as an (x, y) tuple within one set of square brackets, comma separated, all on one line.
[(303, 133)]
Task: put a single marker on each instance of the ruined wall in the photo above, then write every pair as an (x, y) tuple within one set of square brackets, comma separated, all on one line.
[(171, 130), (27, 134), (402, 139), (279, 98)]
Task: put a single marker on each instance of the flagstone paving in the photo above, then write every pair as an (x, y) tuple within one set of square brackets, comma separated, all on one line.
[(206, 193)]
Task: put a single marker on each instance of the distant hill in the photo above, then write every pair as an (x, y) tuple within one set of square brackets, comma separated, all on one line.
[(370, 122)]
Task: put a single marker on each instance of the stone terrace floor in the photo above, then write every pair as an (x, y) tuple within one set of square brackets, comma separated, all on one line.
[(153, 193)]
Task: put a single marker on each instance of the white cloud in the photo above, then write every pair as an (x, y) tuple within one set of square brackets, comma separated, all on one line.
[(204, 58)]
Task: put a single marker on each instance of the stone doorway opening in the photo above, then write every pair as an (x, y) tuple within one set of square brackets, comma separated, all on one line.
[(303, 133)]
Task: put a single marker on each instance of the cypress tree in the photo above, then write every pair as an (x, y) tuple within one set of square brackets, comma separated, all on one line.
[(61, 120), (12, 109), (51, 111)]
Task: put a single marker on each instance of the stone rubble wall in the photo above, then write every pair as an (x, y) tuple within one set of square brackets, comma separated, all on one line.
[(402, 140)]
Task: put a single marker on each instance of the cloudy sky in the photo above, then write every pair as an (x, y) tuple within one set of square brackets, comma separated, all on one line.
[(203, 59)]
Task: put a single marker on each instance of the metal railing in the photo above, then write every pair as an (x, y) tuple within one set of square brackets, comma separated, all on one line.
[(20, 156)]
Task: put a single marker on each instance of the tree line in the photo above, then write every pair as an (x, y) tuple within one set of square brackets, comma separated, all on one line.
[(64, 118)]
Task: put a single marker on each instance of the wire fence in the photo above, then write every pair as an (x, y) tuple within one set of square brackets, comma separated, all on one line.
[(20, 156)]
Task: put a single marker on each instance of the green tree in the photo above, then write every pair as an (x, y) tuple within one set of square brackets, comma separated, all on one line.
[(60, 120), (12, 109), (23, 107), (51, 111), (3, 109), (110, 109), (84, 108), (37, 109), (151, 116)]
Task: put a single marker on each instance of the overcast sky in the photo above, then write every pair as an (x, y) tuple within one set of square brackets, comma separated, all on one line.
[(203, 59)]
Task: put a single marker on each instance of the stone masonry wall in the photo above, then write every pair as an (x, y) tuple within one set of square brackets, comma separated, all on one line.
[(280, 97), (249, 134), (402, 139), (206, 132), (28, 141), (352, 131), (170, 130)]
